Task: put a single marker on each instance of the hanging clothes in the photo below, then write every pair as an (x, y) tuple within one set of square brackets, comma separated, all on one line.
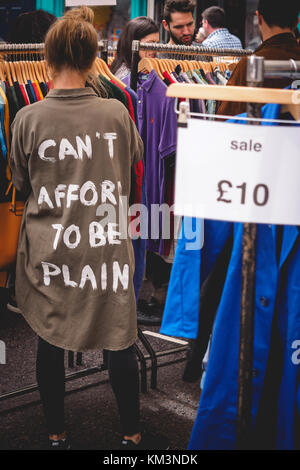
[(161, 138), (158, 128), (277, 330)]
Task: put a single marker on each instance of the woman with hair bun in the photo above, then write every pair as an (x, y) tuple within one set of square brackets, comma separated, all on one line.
[(71, 158)]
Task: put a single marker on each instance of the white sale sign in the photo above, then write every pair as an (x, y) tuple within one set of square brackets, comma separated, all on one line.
[(239, 173)]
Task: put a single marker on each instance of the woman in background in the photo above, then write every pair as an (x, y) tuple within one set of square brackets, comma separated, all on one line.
[(142, 29)]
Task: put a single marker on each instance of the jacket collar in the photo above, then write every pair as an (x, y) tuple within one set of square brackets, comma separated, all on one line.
[(279, 40), (148, 84), (70, 93)]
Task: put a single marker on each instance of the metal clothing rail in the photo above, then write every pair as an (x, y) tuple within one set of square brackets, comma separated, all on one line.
[(91, 371), (142, 358), (180, 49), (39, 47), (281, 68), (102, 367)]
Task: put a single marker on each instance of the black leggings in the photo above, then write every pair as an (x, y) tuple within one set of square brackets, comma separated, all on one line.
[(123, 375)]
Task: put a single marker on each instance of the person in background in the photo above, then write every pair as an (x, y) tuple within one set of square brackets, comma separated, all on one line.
[(31, 27), (276, 25), (214, 28), (179, 21), (142, 29)]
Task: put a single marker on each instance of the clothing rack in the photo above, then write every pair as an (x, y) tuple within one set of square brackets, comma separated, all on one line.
[(182, 50), (39, 48), (281, 68), (258, 69), (111, 54)]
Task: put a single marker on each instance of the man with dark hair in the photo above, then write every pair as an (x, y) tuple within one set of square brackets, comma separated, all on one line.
[(214, 26), (179, 21), (276, 24)]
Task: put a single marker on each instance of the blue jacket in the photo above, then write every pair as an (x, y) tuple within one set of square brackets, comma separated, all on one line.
[(276, 284)]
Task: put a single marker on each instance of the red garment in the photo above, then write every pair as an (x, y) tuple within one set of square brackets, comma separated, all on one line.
[(129, 102), (168, 77), (36, 92), (138, 168), (24, 93), (171, 79)]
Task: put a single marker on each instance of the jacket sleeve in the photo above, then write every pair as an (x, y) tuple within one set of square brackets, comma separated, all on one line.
[(238, 78), (192, 264), (136, 146), (19, 158)]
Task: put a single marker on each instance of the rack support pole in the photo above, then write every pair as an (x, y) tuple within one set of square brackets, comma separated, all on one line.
[(134, 64), (255, 76), (104, 51)]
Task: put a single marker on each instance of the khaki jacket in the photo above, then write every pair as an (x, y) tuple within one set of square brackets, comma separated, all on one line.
[(71, 155)]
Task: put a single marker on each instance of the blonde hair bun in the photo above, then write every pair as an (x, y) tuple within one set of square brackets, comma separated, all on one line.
[(72, 41), (82, 13)]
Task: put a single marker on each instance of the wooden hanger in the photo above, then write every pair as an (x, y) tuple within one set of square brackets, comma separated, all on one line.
[(45, 74), (37, 70), (29, 69), (18, 72), (33, 70), (160, 66), (237, 93), (26, 68), (100, 64), (147, 65), (12, 71), (169, 65), (7, 73), (2, 71), (98, 69), (189, 65), (23, 71), (163, 65)]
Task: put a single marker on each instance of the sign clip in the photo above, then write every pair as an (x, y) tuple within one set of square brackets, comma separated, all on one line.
[(184, 114)]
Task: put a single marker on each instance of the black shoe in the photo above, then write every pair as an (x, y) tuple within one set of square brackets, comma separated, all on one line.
[(147, 442), (62, 444), (154, 304), (148, 319), (150, 308)]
